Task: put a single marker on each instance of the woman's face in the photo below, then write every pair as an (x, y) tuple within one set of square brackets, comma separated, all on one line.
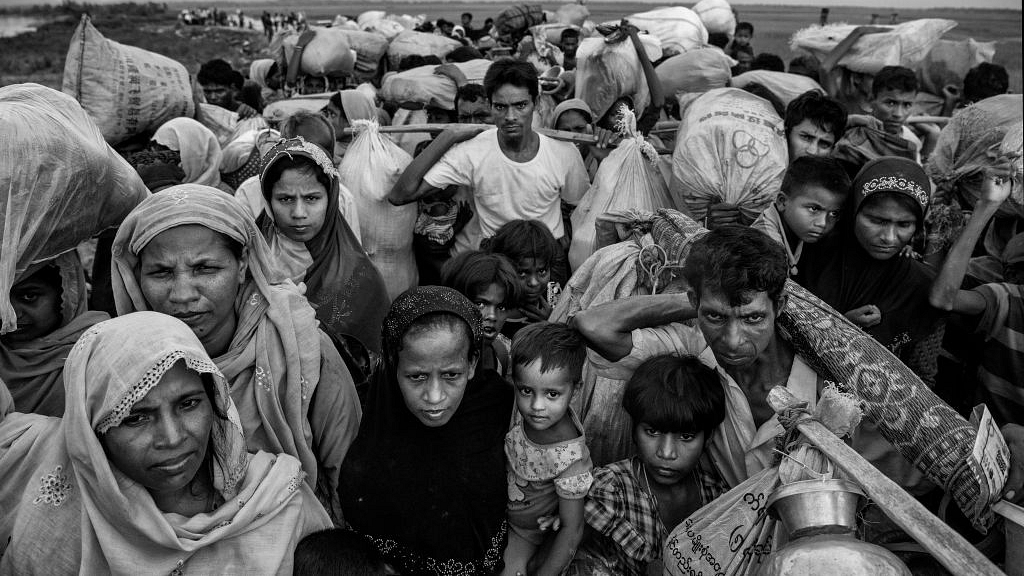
[(338, 120), (883, 227), (433, 371), (37, 302), (299, 203), (161, 444), (190, 272)]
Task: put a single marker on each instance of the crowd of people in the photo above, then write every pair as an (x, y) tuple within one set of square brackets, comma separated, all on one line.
[(242, 383)]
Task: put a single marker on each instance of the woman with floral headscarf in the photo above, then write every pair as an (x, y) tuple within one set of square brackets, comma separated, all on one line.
[(192, 252), (426, 476), (147, 471)]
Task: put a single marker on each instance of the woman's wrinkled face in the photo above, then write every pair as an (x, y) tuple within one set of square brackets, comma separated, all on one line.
[(299, 203), (434, 368), (190, 272), (883, 227), (37, 303), (162, 443)]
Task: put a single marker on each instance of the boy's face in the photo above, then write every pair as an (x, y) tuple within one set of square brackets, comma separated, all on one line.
[(742, 37), (543, 397), (743, 62), (809, 139), (534, 275), (37, 305), (668, 457), (491, 303), (810, 212), (892, 107)]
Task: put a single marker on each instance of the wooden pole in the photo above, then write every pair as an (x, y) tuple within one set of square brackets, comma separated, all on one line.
[(948, 547)]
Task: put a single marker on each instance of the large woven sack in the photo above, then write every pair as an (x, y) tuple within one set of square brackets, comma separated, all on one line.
[(371, 166), (327, 54), (422, 86), (679, 29), (949, 61), (627, 179), (370, 49), (607, 72), (125, 90), (730, 148), (717, 16), (907, 44), (410, 42), (60, 182), (695, 71), (783, 84)]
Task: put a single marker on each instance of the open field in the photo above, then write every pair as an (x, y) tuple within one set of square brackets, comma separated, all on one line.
[(39, 56)]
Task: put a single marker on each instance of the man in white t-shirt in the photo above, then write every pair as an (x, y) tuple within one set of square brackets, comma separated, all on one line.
[(514, 172)]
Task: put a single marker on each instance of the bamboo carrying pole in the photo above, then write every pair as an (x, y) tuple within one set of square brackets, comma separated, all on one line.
[(948, 547)]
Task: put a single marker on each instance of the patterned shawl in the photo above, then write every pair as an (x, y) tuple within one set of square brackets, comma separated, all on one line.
[(32, 371), (73, 512)]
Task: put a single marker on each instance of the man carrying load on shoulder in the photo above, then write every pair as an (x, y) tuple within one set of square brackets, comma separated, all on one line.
[(514, 172)]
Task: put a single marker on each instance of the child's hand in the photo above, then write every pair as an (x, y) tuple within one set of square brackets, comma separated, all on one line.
[(865, 316), (549, 523), (997, 185), (245, 111), (908, 252), (538, 312)]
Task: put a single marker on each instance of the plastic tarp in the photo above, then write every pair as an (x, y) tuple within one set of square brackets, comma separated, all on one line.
[(906, 44), (420, 43), (717, 16), (695, 71), (607, 72), (422, 86), (679, 29), (327, 54), (783, 84), (949, 61), (60, 182)]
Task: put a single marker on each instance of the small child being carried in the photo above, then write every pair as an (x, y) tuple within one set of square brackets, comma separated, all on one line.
[(549, 465)]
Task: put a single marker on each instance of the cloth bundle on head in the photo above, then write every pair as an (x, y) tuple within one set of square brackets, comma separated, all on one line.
[(200, 152), (274, 360), (88, 516), (695, 71), (342, 283), (33, 370), (729, 148), (607, 72), (784, 85), (60, 183), (259, 70), (402, 480)]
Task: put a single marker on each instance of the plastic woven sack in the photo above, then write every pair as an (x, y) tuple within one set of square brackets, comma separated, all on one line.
[(695, 71), (679, 29), (371, 166), (783, 84), (370, 50), (717, 16), (125, 90), (626, 179), (327, 54), (948, 62), (906, 45), (410, 42), (422, 86), (60, 182), (607, 72), (729, 148)]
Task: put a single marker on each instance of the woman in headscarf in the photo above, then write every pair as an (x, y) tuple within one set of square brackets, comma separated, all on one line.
[(264, 73), (200, 152), (345, 107), (313, 243), (147, 471), (425, 478), (50, 299), (192, 252)]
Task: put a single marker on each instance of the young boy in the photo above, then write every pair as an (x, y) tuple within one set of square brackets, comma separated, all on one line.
[(814, 123), (807, 208), (893, 90), (539, 261), (675, 403), (338, 552), (549, 466), (489, 281), (741, 40)]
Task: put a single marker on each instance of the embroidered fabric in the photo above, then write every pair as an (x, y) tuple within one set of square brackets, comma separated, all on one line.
[(149, 380), (407, 561), (896, 184), (54, 488)]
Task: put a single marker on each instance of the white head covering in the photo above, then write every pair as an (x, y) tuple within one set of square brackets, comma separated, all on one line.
[(198, 146)]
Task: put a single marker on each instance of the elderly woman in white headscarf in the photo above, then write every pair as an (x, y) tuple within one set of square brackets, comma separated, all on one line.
[(199, 149), (147, 471)]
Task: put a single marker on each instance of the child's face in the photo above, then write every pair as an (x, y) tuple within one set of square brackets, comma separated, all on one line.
[(491, 303), (543, 397), (37, 304), (534, 275), (892, 107), (809, 139), (810, 212), (743, 62), (742, 37), (668, 458)]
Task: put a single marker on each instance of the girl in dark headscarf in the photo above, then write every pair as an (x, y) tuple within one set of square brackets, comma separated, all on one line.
[(314, 244), (425, 478), (861, 272)]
